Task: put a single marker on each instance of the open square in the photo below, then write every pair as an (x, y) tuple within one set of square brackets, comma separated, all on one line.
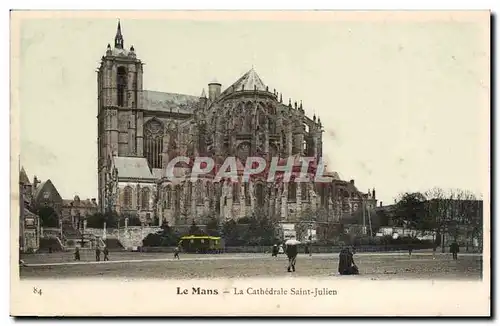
[(377, 266)]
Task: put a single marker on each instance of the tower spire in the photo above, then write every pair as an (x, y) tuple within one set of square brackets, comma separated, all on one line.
[(119, 37)]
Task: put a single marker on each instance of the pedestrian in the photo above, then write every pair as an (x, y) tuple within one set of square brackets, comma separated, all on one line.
[(434, 248), (454, 249), (275, 251), (410, 247), (106, 254), (280, 249), (291, 252), (97, 254), (346, 263), (176, 253), (77, 254)]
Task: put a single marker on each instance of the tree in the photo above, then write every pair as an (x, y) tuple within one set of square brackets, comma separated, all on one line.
[(48, 217), (152, 240), (230, 231), (95, 221), (165, 227), (410, 211), (195, 230), (213, 227), (306, 217), (253, 236), (267, 227), (470, 216)]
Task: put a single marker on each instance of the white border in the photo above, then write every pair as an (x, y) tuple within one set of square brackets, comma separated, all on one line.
[(148, 4)]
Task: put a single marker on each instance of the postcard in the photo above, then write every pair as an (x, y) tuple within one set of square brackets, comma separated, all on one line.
[(259, 163)]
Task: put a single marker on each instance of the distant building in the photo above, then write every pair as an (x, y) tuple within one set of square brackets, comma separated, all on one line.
[(45, 209), (29, 223), (75, 210)]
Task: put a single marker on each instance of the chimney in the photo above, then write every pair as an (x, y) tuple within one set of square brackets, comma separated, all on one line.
[(351, 182), (214, 90), (373, 194), (380, 204), (94, 202), (35, 182)]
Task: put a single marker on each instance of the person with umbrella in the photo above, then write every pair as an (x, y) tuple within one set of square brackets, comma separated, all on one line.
[(291, 252)]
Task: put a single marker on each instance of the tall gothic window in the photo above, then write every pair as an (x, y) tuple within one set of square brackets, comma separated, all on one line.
[(209, 190), (153, 143), (189, 192), (177, 197), (145, 194), (284, 141), (259, 194), (304, 192), (169, 197), (127, 197), (292, 191), (121, 85), (236, 192), (248, 200), (199, 192), (202, 145)]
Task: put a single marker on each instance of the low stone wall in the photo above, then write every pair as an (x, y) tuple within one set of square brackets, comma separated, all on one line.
[(315, 249), (130, 237)]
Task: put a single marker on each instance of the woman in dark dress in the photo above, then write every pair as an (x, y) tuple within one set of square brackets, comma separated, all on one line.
[(346, 263)]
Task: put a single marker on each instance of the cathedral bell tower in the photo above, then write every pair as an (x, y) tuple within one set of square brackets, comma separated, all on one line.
[(119, 98)]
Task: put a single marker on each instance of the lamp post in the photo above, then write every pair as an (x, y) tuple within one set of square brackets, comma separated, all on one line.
[(81, 227), (110, 187)]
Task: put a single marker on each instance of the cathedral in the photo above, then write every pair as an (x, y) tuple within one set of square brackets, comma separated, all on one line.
[(140, 131)]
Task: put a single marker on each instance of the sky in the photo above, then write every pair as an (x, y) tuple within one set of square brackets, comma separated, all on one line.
[(402, 102)]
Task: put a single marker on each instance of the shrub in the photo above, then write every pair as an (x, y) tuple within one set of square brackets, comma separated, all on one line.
[(152, 240)]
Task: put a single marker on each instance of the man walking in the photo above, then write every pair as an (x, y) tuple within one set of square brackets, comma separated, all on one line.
[(176, 253), (454, 249), (106, 253), (97, 254), (77, 254), (291, 252)]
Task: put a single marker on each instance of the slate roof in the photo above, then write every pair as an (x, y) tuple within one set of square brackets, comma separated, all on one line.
[(166, 102), (49, 187), (132, 167), (119, 52), (248, 82), (23, 177), (38, 189)]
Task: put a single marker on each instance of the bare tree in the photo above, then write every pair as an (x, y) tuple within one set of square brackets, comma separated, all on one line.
[(455, 212), (470, 217)]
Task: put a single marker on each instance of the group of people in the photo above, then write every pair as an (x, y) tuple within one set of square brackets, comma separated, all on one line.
[(105, 251), (347, 266)]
